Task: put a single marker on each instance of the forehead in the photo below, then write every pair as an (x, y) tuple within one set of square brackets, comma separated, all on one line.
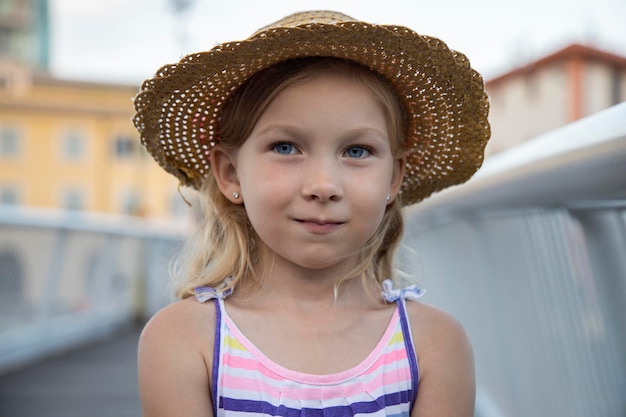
[(326, 98)]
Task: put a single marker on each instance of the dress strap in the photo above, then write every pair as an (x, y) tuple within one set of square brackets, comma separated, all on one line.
[(217, 294), (390, 294), (410, 348), (399, 296), (217, 347), (220, 292)]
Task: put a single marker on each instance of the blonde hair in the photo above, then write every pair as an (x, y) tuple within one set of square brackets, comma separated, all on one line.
[(223, 245)]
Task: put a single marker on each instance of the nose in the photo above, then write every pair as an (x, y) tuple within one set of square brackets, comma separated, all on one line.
[(321, 182)]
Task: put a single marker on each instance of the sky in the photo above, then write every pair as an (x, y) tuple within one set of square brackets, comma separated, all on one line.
[(126, 41)]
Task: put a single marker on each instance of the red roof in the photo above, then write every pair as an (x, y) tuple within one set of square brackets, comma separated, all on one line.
[(575, 51)]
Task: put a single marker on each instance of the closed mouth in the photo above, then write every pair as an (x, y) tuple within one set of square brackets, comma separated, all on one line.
[(320, 222), (319, 226)]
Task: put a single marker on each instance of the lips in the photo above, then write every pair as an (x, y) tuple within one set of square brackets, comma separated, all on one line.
[(320, 226)]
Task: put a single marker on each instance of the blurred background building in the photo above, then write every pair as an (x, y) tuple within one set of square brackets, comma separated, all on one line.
[(570, 84), (24, 32), (69, 144)]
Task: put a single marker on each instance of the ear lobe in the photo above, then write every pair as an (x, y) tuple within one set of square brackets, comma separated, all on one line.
[(223, 165)]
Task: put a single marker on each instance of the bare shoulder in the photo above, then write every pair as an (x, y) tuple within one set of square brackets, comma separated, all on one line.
[(446, 363), (187, 317), (433, 325), (174, 355)]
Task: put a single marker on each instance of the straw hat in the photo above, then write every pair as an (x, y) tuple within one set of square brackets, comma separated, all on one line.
[(178, 111)]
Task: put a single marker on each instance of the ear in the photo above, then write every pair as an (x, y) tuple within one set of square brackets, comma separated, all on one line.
[(224, 167), (399, 166)]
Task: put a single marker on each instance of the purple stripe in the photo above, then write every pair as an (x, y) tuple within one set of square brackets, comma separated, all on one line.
[(410, 350), (263, 407), (217, 343)]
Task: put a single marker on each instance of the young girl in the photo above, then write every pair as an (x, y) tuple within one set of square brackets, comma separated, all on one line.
[(305, 142)]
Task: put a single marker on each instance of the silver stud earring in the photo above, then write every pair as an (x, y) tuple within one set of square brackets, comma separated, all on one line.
[(388, 197), (235, 195)]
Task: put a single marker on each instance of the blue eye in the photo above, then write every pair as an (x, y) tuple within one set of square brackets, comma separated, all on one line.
[(284, 148), (357, 152)]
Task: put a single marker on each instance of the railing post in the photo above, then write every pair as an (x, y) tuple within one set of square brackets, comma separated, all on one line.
[(51, 282)]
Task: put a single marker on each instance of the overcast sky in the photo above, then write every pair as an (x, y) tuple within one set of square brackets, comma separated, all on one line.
[(126, 41)]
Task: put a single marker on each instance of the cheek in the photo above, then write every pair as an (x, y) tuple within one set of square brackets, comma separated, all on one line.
[(376, 212), (372, 194), (371, 202), (265, 182), (266, 192)]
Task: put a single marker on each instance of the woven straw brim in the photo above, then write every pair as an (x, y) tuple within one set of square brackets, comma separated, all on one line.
[(177, 111)]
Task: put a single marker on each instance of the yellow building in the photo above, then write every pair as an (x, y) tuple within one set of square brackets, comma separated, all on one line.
[(68, 144)]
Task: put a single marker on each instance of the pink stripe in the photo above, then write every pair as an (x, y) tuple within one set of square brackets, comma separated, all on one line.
[(329, 392), (363, 368), (396, 355), (251, 364)]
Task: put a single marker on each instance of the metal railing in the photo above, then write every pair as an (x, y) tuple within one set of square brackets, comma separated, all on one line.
[(67, 279), (530, 255)]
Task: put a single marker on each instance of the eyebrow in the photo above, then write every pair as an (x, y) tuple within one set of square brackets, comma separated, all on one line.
[(349, 134)]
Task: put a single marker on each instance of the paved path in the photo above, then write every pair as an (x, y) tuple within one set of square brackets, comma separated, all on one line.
[(95, 381)]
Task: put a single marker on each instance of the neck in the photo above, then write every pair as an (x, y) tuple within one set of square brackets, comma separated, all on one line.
[(287, 283)]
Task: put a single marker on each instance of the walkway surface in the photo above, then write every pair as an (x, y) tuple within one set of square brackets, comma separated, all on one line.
[(95, 381)]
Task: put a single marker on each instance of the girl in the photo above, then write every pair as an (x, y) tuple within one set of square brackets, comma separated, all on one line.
[(305, 142)]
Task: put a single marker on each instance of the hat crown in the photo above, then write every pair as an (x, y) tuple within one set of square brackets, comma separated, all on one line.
[(327, 17)]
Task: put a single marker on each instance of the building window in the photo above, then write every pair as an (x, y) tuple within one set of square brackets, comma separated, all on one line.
[(74, 144), (73, 199), (124, 147), (9, 142), (9, 195)]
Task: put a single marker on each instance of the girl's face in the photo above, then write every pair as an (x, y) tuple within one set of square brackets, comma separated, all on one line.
[(315, 172)]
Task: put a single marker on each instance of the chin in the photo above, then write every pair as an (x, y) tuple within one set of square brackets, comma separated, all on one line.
[(325, 264)]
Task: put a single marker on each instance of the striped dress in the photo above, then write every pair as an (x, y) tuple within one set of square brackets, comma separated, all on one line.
[(245, 382)]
